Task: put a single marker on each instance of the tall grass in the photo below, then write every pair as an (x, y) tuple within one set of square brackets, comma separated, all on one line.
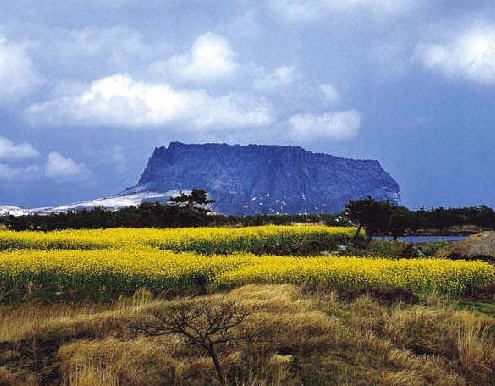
[(299, 338)]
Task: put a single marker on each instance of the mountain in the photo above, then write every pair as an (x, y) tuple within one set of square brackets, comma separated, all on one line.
[(265, 179), (247, 180)]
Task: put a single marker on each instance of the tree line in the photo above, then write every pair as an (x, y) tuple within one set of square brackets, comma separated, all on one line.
[(191, 210), (385, 218), (185, 210)]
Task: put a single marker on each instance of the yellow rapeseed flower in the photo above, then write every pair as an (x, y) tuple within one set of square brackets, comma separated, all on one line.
[(201, 240)]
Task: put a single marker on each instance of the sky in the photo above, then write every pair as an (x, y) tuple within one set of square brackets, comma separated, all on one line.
[(88, 88)]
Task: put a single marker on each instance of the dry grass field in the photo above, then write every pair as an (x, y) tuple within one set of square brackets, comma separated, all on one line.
[(295, 337)]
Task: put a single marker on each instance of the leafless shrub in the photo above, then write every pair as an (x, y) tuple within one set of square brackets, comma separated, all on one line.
[(203, 323)]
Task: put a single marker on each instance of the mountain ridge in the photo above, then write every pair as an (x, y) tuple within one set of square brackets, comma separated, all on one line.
[(251, 179)]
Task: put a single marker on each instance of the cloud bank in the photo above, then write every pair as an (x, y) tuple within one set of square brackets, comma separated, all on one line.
[(121, 101), (19, 174), (58, 166), (469, 55), (55, 167), (17, 74), (10, 150), (211, 57)]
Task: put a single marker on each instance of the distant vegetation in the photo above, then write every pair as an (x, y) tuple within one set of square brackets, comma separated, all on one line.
[(185, 210), (156, 215), (190, 210), (384, 218)]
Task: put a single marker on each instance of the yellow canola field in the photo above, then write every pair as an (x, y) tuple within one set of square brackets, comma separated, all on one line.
[(201, 240), (103, 274), (421, 276)]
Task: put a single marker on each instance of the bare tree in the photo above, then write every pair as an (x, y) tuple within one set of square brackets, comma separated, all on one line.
[(204, 323)]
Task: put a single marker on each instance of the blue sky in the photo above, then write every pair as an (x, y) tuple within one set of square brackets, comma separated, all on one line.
[(89, 87)]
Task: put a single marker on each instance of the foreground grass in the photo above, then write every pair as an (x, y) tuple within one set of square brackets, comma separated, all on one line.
[(298, 338), (107, 274)]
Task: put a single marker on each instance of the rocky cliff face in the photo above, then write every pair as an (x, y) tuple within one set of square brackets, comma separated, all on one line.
[(266, 179)]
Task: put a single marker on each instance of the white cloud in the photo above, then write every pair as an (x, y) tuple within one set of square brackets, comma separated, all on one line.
[(469, 55), (211, 57), (330, 92), (339, 125), (17, 75), (58, 166), (9, 149), (280, 76), (119, 100), (19, 174), (299, 11)]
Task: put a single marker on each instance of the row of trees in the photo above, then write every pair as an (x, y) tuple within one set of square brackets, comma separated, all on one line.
[(191, 210), (185, 210), (384, 218)]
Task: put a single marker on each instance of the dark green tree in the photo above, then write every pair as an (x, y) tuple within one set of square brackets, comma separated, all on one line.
[(197, 197), (374, 216), (401, 220)]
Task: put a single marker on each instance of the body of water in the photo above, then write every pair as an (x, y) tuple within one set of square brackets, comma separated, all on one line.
[(423, 239)]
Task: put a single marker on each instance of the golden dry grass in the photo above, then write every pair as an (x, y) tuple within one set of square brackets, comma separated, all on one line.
[(299, 338), (478, 246)]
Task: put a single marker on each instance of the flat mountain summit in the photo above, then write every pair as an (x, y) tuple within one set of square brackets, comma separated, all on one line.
[(253, 179), (265, 179)]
